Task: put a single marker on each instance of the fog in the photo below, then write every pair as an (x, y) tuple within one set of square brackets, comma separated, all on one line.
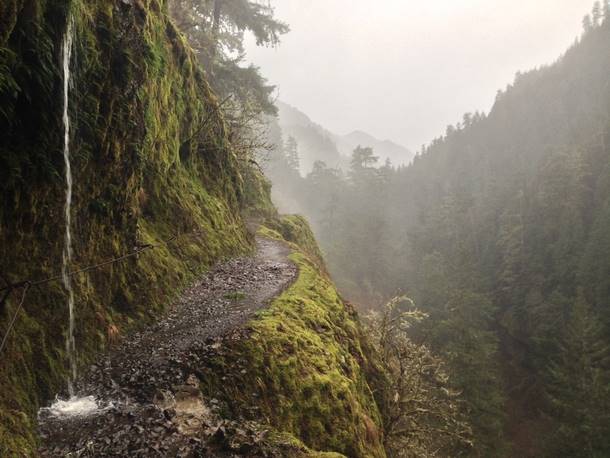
[(498, 231), (403, 251), (404, 69)]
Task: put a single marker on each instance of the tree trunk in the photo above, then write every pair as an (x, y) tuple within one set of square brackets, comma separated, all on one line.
[(216, 29)]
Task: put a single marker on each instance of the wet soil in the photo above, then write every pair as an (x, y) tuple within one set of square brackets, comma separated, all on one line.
[(147, 385)]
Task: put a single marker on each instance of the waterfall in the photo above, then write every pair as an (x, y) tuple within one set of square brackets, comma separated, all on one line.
[(66, 54), (74, 405)]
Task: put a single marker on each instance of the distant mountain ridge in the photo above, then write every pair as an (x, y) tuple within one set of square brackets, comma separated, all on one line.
[(316, 143), (385, 149)]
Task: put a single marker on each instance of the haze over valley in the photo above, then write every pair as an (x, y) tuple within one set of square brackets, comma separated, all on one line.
[(305, 229)]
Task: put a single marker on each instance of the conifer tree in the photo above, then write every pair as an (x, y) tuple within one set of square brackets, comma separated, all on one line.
[(464, 335), (363, 158), (587, 23), (493, 229), (578, 388), (596, 13), (215, 29), (291, 150)]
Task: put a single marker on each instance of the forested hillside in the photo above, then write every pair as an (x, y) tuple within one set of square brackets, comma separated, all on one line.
[(499, 230), (152, 301)]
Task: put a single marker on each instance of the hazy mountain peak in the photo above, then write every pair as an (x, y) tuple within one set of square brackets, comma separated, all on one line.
[(385, 149), (316, 142)]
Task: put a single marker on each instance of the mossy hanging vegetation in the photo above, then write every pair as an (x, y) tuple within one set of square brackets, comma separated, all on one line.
[(151, 160), (303, 368), (295, 229)]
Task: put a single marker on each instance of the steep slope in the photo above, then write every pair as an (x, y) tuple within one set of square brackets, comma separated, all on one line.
[(499, 231), (150, 162), (154, 178), (234, 370), (306, 367), (510, 206)]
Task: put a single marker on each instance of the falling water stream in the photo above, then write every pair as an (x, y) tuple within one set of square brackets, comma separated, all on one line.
[(87, 404), (66, 54)]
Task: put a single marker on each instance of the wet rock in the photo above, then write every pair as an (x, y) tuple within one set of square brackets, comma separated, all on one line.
[(158, 408)]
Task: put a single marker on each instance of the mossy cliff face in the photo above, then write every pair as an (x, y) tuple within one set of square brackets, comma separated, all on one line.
[(303, 367), (150, 159)]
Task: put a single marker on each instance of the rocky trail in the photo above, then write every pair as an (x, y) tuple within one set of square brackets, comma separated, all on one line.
[(146, 387)]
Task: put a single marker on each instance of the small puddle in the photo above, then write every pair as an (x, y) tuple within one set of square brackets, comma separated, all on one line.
[(186, 402)]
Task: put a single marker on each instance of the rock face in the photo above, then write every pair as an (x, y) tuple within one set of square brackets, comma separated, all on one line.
[(152, 163), (150, 160)]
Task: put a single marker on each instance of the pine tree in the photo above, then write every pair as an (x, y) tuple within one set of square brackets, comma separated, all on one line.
[(578, 386), (215, 29), (587, 24), (465, 338), (363, 158), (291, 150), (596, 13)]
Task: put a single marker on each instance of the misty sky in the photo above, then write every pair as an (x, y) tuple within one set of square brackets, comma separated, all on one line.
[(404, 69)]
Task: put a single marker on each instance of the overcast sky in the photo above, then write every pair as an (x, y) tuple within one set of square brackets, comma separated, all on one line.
[(404, 69)]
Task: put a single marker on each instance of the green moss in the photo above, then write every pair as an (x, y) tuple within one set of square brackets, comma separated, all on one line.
[(146, 169), (257, 191), (235, 296), (255, 439), (151, 162), (296, 230), (303, 363), (294, 448)]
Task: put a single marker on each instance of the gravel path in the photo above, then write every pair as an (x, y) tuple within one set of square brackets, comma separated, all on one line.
[(147, 384)]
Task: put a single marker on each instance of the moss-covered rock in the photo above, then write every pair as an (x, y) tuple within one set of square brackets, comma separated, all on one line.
[(150, 160), (296, 230), (302, 367)]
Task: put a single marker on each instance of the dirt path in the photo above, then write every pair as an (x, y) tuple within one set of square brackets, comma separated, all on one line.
[(148, 384)]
